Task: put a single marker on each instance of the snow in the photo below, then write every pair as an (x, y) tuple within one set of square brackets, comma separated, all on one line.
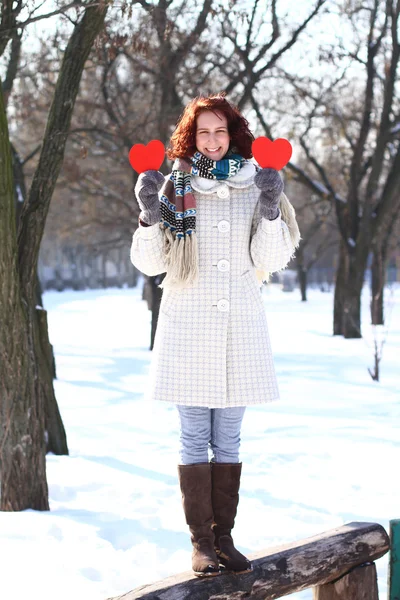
[(339, 198), (19, 193), (320, 186), (322, 456)]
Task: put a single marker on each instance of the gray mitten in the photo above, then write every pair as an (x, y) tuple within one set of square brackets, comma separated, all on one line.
[(147, 187), (271, 185)]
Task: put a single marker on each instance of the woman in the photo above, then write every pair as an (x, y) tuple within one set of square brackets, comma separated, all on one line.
[(216, 220)]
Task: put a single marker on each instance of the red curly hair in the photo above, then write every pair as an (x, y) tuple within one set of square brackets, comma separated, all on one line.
[(183, 141)]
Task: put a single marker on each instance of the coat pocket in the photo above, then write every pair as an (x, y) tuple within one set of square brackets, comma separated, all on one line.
[(252, 291)]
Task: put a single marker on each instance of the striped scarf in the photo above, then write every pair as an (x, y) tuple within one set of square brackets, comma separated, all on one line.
[(178, 213)]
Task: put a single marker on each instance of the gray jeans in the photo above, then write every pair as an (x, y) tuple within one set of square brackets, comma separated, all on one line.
[(214, 428)]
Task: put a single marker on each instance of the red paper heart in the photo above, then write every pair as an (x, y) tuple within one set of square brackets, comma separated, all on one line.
[(146, 158), (272, 155)]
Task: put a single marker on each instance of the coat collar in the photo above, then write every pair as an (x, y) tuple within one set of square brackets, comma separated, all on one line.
[(244, 178)]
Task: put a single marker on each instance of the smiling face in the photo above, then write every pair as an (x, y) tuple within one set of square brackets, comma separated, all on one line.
[(212, 136)]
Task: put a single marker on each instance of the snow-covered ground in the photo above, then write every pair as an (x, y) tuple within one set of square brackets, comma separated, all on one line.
[(324, 455)]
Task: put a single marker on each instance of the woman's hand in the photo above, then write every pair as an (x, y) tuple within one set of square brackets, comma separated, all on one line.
[(147, 187), (271, 185)]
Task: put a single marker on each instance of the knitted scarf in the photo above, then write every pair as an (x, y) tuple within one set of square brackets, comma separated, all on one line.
[(178, 214)]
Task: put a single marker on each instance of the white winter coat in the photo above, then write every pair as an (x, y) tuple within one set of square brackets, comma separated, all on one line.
[(212, 346)]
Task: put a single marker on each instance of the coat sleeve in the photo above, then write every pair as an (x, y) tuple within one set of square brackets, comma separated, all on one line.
[(270, 246), (147, 250)]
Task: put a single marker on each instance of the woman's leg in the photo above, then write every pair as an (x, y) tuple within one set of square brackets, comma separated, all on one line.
[(226, 424), (225, 480), (195, 434), (195, 482)]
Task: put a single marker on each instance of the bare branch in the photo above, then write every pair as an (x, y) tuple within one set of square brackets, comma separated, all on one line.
[(193, 36), (353, 195), (385, 125), (12, 66)]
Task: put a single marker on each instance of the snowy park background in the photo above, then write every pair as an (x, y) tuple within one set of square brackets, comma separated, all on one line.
[(322, 456), (322, 73)]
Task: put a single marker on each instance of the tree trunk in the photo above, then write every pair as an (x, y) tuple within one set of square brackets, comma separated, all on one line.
[(301, 271), (302, 275), (156, 295), (352, 310), (36, 207), (379, 263), (22, 443), (378, 283), (56, 438), (55, 432), (22, 402), (102, 271), (348, 289), (340, 286)]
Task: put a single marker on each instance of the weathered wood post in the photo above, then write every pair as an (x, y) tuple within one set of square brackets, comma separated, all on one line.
[(360, 584), (394, 561)]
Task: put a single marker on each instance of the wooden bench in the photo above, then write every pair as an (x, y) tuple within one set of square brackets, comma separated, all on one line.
[(338, 564)]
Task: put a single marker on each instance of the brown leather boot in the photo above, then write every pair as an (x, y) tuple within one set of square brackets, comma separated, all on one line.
[(225, 499), (195, 482)]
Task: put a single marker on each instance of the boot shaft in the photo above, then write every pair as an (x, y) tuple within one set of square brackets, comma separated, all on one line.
[(225, 495), (195, 483)]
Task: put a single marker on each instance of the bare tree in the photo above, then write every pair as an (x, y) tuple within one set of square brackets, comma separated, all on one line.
[(23, 361), (374, 179), (141, 97), (251, 57), (354, 104)]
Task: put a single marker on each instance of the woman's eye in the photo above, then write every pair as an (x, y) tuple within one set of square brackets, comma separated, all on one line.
[(221, 132)]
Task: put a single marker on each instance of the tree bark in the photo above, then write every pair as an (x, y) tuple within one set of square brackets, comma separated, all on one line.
[(156, 295), (379, 264), (22, 401), (348, 289), (22, 444), (302, 275), (340, 288), (352, 307), (360, 584), (379, 258), (56, 437), (301, 271)]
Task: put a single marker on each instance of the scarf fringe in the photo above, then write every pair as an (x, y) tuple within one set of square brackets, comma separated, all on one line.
[(182, 259), (288, 215)]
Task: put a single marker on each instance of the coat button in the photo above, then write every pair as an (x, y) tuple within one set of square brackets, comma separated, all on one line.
[(224, 226), (223, 305), (223, 265), (223, 192)]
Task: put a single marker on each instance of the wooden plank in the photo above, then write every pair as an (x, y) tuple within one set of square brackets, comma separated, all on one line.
[(394, 561), (360, 584), (279, 571)]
